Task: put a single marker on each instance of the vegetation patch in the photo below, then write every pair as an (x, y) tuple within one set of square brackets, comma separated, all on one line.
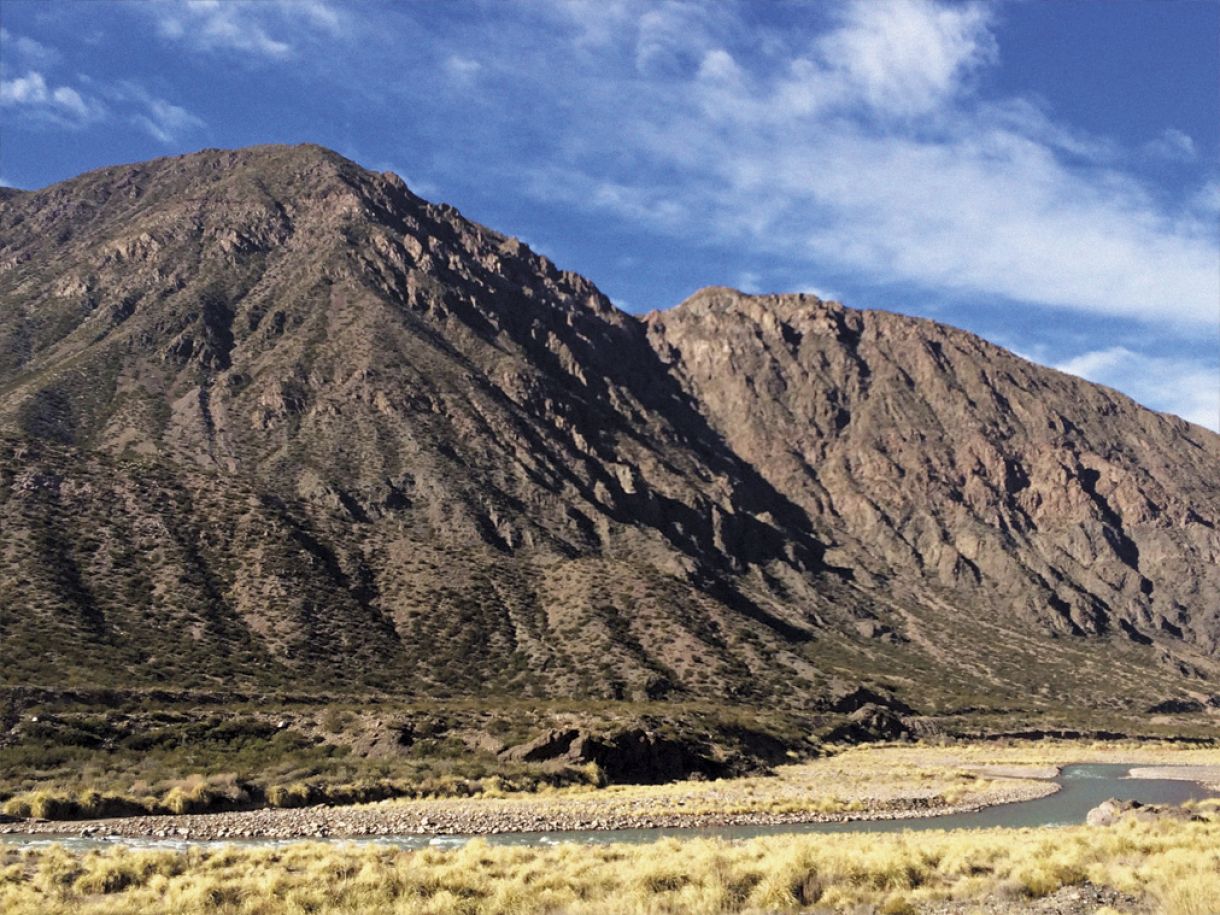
[(1171, 865)]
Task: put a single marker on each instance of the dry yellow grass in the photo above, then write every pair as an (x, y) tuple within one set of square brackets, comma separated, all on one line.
[(876, 778), (1040, 753), (1176, 864)]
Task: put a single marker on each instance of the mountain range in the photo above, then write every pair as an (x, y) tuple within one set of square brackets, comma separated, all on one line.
[(271, 420)]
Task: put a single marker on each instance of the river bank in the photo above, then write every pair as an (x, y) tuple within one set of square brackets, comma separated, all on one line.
[(1140, 865), (1205, 775), (879, 783), (484, 817), (863, 784)]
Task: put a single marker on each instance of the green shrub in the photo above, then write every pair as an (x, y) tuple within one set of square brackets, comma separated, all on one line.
[(297, 794), (46, 806)]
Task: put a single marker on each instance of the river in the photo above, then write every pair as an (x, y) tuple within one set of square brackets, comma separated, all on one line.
[(1082, 787)]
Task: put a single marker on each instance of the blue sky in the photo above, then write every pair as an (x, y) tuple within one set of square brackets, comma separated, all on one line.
[(1042, 173)]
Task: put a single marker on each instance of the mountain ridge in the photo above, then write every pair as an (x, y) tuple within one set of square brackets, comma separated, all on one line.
[(360, 420)]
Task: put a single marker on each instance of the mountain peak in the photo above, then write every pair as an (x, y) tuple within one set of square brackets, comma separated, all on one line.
[(726, 298), (353, 434)]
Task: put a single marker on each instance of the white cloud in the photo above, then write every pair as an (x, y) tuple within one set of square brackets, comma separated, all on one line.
[(826, 295), (132, 103), (907, 56), (671, 37), (26, 51), (62, 105), (1207, 200), (750, 282), (34, 96), (999, 214), (866, 151), (1173, 144), (1189, 388), (462, 70), (268, 29), (1029, 118), (592, 24), (167, 122), (30, 89)]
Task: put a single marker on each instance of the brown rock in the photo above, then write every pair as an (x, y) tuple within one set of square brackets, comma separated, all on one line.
[(277, 408)]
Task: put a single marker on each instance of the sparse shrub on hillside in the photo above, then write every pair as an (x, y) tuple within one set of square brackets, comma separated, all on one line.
[(334, 720)]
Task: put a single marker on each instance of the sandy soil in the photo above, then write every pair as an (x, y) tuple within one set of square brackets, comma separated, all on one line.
[(1208, 775)]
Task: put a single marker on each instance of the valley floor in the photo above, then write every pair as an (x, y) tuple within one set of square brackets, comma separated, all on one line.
[(890, 782), (859, 784), (1147, 863), (1165, 864)]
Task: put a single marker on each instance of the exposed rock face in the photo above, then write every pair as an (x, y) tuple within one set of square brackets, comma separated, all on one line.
[(855, 699), (918, 448), (1176, 707), (553, 744), (269, 418), (634, 755), (869, 723), (640, 756)]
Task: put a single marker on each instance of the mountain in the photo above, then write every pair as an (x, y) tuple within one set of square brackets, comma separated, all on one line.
[(268, 419)]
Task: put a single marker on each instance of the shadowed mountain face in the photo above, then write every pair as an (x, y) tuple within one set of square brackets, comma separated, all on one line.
[(270, 419)]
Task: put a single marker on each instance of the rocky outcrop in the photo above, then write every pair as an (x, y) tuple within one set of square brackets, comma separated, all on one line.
[(548, 746), (933, 460), (1112, 811), (1176, 707), (635, 755), (870, 723), (641, 757), (852, 699)]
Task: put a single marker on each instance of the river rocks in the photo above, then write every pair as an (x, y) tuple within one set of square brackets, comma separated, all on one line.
[(1109, 812), (475, 817), (1081, 899)]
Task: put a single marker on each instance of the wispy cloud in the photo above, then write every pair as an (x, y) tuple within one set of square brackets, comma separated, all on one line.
[(262, 29), (1173, 144), (25, 51), (462, 70), (1189, 388), (862, 150), (167, 122), (160, 119), (33, 96), (41, 98), (906, 57)]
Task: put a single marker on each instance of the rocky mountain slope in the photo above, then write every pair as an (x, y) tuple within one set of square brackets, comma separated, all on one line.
[(270, 419)]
